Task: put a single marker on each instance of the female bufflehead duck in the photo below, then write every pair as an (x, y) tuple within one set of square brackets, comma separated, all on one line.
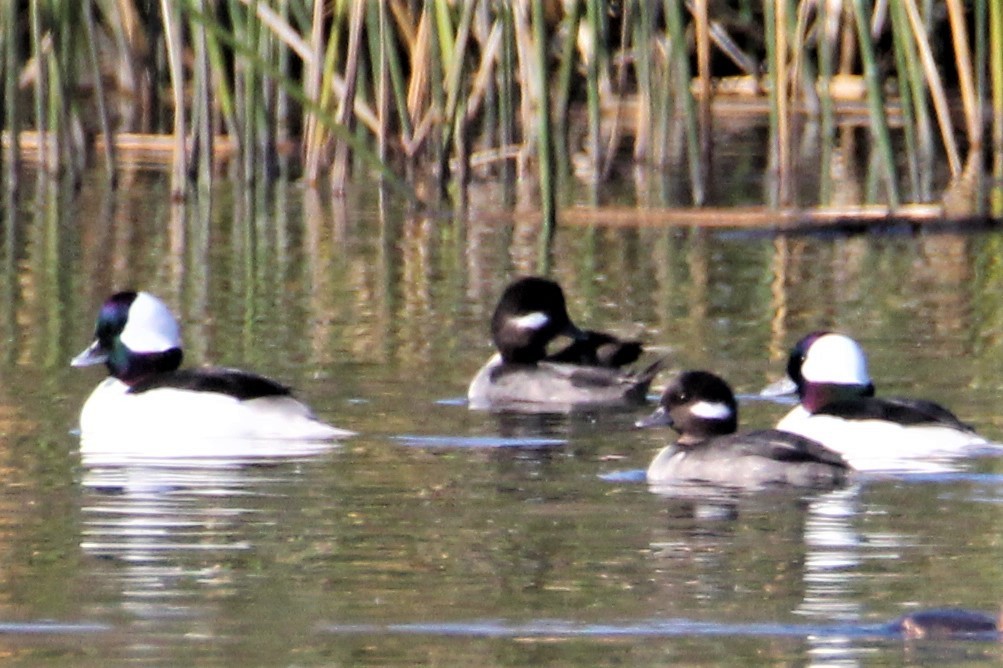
[(838, 408), (147, 396), (702, 408), (529, 316)]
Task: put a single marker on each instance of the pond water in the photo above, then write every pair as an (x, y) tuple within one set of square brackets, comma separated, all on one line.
[(441, 535)]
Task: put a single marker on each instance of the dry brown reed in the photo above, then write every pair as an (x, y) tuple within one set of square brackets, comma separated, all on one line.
[(435, 92)]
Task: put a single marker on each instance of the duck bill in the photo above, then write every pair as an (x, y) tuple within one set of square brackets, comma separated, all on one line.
[(785, 387), (94, 354), (660, 418)]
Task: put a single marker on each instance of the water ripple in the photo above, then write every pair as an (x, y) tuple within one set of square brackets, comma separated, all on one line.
[(47, 627), (641, 628), (437, 441)]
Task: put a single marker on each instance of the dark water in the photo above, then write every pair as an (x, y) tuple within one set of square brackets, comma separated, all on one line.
[(445, 536)]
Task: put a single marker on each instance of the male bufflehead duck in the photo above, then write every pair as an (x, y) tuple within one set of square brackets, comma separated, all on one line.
[(838, 408), (702, 408), (530, 315), (147, 396)]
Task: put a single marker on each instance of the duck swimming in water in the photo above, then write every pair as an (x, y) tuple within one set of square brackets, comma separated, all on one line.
[(839, 409), (589, 371), (148, 397), (702, 408)]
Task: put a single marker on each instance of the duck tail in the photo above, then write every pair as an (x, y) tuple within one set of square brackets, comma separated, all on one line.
[(640, 381), (648, 373)]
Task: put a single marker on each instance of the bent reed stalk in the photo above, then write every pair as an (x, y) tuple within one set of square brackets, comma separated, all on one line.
[(482, 88)]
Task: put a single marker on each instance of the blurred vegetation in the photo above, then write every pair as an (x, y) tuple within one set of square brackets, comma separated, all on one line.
[(428, 94)]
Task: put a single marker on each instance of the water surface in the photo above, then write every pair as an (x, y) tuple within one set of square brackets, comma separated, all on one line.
[(449, 536)]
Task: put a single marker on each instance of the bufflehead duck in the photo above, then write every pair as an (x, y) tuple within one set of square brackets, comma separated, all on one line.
[(530, 315), (838, 408), (702, 408), (147, 396)]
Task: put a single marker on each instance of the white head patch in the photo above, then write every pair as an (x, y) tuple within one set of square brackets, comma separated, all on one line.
[(534, 320), (711, 410), (150, 326), (836, 358)]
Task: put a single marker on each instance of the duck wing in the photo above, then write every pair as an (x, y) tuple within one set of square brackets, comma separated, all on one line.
[(242, 385), (894, 409), (783, 446), (600, 376), (563, 386), (598, 349)]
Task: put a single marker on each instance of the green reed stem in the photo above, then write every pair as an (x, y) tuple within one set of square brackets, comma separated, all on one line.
[(346, 115), (615, 75), (804, 74), (980, 35), (334, 54), (963, 67), (875, 101), (312, 77), (455, 67), (72, 57), (778, 143), (487, 139), (674, 22), (433, 9), (701, 26), (243, 95), (243, 70), (933, 81), (57, 111), (223, 91), (664, 116), (376, 34), (506, 76), (251, 61), (826, 45), (251, 93), (263, 99), (397, 84), (593, 18), (172, 35), (202, 110), (461, 149), (443, 24), (41, 85), (266, 118), (565, 75), (996, 96), (919, 95), (282, 108), (108, 143), (905, 64), (548, 197), (645, 103)]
